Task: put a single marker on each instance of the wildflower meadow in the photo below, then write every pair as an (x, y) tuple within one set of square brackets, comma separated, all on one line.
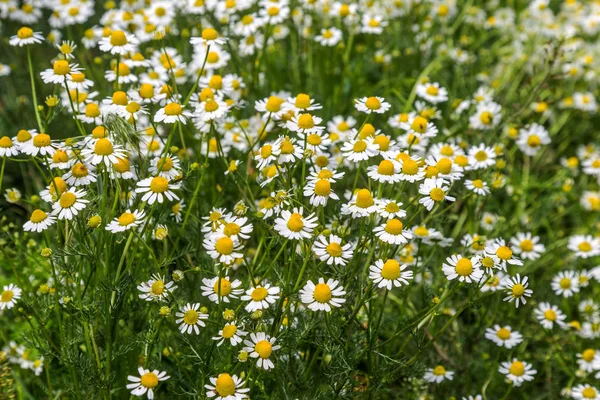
[(300, 199)]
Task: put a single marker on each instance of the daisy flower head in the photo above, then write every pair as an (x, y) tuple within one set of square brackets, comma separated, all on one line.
[(210, 109), (465, 269), (434, 190), (319, 192), (190, 318), (504, 254), (527, 246), (59, 73), (360, 205), (305, 124), (438, 374), (589, 360), (389, 209), (517, 371), (208, 37), (237, 228), (221, 289), (584, 246), (329, 37), (126, 221), (432, 92), (293, 225), (487, 116), (261, 346), (10, 294), (373, 104), (481, 157), (323, 296), (118, 42), (8, 148), (393, 232), (565, 283), (548, 315), (172, 112), (389, 273), (231, 332), (302, 103), (146, 382), (503, 336), (223, 248), (69, 204), (359, 149), (104, 151), (289, 150), (41, 144), (585, 392), (156, 189), (226, 387), (39, 221), (329, 249), (517, 289), (387, 171), (12, 195), (156, 289), (410, 168), (478, 186), (26, 36), (531, 139), (260, 297), (372, 24)]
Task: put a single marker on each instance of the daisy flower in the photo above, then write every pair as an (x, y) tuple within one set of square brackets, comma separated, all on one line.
[(7, 147), (369, 105), (305, 124), (261, 346), (26, 36), (359, 149), (156, 289), (208, 37), (146, 382), (393, 232), (584, 246), (548, 315), (323, 295), (432, 92), (517, 371), (438, 374), (189, 318), (226, 387), (40, 144), (230, 332), (292, 225), (360, 205), (289, 150), (585, 392), (481, 157), (319, 192), (221, 289), (156, 189), (302, 102), (10, 294), (267, 154), (329, 249), (387, 171), (389, 209), (434, 190), (126, 221), (589, 360), (223, 248), (409, 168), (171, 113), (532, 138), (260, 297), (103, 151), (465, 269), (503, 336), (389, 273), (237, 228), (210, 109), (517, 289), (39, 221), (419, 126), (487, 116), (12, 195), (118, 42), (59, 72), (502, 253), (565, 284), (69, 204), (527, 246), (329, 37), (478, 187)]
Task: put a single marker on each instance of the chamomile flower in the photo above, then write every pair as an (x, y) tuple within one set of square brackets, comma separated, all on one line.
[(127, 220), (584, 246), (190, 318), (223, 248), (585, 392), (503, 254), (432, 92), (389, 273), (329, 249), (231, 332), (210, 109), (260, 297), (12, 195), (393, 232), (517, 289), (387, 171), (103, 151), (438, 374), (434, 190), (69, 204), (329, 37), (532, 138), (589, 360), (156, 189), (389, 209), (293, 225), (481, 157), (503, 336), (359, 149), (319, 192), (369, 105), (26, 36), (465, 269), (226, 387), (266, 155), (221, 289), (305, 124), (360, 205), (487, 116), (7, 147), (9, 296), (517, 371), (261, 346), (59, 72), (322, 296), (146, 382), (172, 112), (548, 315), (565, 283), (118, 42), (41, 144), (527, 246), (478, 186), (155, 289), (410, 170), (39, 221)]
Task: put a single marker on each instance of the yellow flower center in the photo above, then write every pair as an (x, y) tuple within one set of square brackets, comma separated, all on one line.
[(160, 11), (259, 294), (534, 141), (7, 296), (487, 262), (464, 267), (173, 109), (263, 348), (518, 290), (122, 165), (157, 288), (439, 370), (373, 103), (364, 198), (305, 121), (273, 104), (410, 167), (61, 67), (67, 200), (313, 139), (118, 38), (419, 124), (386, 167), (213, 57), (444, 165), (589, 393), (62, 186), (224, 285), (481, 155), (103, 147), (266, 151), (302, 101), (585, 246), (224, 245), (504, 252), (295, 223), (159, 184), (390, 270), (6, 142), (146, 91), (322, 187), (92, 110), (225, 385), (334, 249), (211, 105), (392, 207), (25, 33), (41, 140), (23, 135), (486, 117), (503, 333), (231, 229), (322, 293), (432, 90), (126, 219), (229, 331), (550, 315), (437, 194), (79, 170), (287, 147), (327, 34), (394, 226), (190, 317), (588, 355), (565, 283), (359, 146), (209, 34), (517, 368), (38, 216)]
